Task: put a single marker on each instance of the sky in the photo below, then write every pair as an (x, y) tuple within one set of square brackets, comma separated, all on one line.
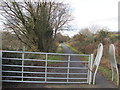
[(87, 13)]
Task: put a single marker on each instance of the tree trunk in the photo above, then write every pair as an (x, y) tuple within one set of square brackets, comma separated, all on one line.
[(40, 46)]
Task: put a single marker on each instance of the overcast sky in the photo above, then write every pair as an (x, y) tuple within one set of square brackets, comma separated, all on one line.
[(94, 12)]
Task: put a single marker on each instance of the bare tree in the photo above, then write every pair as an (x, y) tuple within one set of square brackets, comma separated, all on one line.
[(86, 32), (36, 23)]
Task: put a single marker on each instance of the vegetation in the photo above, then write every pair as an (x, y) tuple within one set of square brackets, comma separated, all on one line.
[(106, 72), (61, 38), (88, 42), (36, 23), (73, 49), (59, 49), (10, 41), (56, 57), (84, 58)]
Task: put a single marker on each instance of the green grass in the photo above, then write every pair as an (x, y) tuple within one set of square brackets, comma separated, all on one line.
[(50, 57), (73, 49), (59, 49), (107, 73), (114, 35), (56, 57), (83, 58)]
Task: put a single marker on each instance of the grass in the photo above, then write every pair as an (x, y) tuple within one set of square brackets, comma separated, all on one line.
[(73, 49), (114, 34), (56, 57), (59, 49), (83, 58), (106, 72)]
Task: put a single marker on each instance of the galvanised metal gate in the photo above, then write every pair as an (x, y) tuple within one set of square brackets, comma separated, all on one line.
[(17, 67)]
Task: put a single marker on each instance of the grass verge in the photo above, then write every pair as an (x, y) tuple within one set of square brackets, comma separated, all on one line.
[(107, 73), (83, 58), (56, 57), (73, 49)]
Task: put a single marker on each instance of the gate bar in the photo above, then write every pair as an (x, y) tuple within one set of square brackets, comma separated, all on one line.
[(42, 60), (23, 56), (40, 81), (68, 70), (40, 72), (46, 69), (64, 54), (43, 77)]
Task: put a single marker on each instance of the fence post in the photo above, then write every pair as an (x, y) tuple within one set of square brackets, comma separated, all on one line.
[(88, 75), (91, 67), (23, 56), (0, 69)]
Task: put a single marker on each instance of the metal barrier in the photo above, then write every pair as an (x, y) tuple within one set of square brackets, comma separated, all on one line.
[(46, 73)]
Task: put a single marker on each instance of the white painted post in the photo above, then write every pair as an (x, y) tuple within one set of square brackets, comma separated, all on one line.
[(97, 60), (0, 69), (23, 56), (68, 70), (91, 67), (46, 68), (113, 62)]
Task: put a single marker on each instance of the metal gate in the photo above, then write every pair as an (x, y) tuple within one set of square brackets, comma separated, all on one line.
[(38, 67)]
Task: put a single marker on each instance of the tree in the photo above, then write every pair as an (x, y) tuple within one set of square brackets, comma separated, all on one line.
[(10, 41), (36, 23), (102, 35), (86, 32), (61, 38)]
